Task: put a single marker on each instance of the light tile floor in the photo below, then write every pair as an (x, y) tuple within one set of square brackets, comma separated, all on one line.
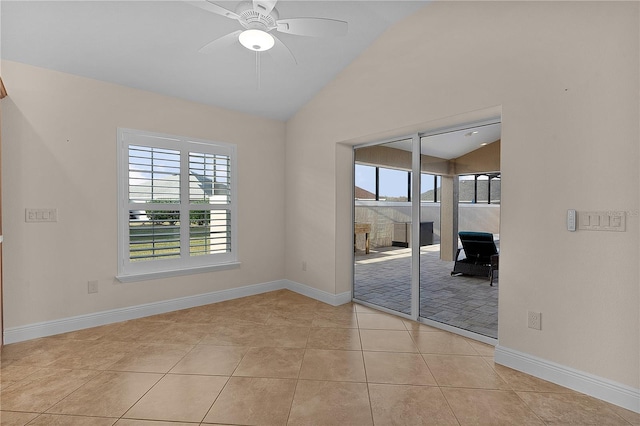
[(383, 278), (274, 359)]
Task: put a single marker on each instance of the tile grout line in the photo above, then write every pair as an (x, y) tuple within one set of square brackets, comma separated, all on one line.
[(364, 364), (295, 388)]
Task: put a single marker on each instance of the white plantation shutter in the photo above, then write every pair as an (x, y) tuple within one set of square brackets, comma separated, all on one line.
[(154, 174), (177, 203), (210, 185)]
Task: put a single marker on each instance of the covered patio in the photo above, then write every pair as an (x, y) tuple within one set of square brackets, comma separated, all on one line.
[(383, 278)]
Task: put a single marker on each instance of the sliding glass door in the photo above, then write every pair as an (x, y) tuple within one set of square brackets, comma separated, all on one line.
[(382, 225), (408, 210)]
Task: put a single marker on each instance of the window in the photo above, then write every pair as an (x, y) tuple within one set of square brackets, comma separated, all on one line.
[(177, 205), (430, 188), (366, 182), (385, 184), (482, 188), (394, 185)]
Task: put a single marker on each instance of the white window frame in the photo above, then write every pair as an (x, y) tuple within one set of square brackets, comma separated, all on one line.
[(186, 264)]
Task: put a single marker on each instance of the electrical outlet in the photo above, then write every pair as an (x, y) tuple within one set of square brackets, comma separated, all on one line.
[(92, 287), (304, 265), (534, 320)]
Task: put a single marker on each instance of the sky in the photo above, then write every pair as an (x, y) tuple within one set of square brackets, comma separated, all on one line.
[(393, 183)]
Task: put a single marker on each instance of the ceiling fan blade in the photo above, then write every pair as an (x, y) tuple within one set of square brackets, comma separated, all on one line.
[(313, 27), (281, 53), (221, 43), (212, 7), (264, 6)]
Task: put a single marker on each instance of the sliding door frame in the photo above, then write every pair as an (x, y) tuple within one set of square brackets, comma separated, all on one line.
[(415, 225), (416, 204), (416, 171)]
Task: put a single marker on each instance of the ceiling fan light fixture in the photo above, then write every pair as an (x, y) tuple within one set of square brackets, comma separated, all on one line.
[(256, 40)]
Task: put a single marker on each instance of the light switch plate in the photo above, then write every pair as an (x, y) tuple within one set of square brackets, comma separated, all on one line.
[(41, 215), (603, 221)]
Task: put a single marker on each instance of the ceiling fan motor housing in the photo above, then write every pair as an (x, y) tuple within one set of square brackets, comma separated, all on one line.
[(253, 19)]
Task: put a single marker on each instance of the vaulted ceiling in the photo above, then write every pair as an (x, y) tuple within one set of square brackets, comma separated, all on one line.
[(154, 45)]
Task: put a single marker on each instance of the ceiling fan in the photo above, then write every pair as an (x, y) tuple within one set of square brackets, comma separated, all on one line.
[(260, 18)]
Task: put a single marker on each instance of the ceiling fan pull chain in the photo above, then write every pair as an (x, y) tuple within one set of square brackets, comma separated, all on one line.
[(258, 69)]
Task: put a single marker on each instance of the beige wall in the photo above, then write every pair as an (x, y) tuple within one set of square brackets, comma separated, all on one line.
[(565, 76), (59, 151), (2, 95)]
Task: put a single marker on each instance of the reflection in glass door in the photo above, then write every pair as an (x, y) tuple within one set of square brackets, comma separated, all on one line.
[(382, 225)]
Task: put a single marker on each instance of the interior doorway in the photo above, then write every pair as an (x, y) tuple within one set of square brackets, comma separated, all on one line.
[(393, 209)]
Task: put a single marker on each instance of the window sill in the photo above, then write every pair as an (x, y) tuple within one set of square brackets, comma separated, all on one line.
[(176, 272)]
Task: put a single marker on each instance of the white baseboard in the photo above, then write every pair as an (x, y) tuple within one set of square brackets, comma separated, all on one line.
[(598, 387), (65, 325), (322, 296)]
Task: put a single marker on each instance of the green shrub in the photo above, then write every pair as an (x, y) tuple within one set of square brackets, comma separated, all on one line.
[(199, 217)]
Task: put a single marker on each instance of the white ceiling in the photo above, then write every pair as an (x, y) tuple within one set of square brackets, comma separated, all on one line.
[(153, 45), (453, 144)]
